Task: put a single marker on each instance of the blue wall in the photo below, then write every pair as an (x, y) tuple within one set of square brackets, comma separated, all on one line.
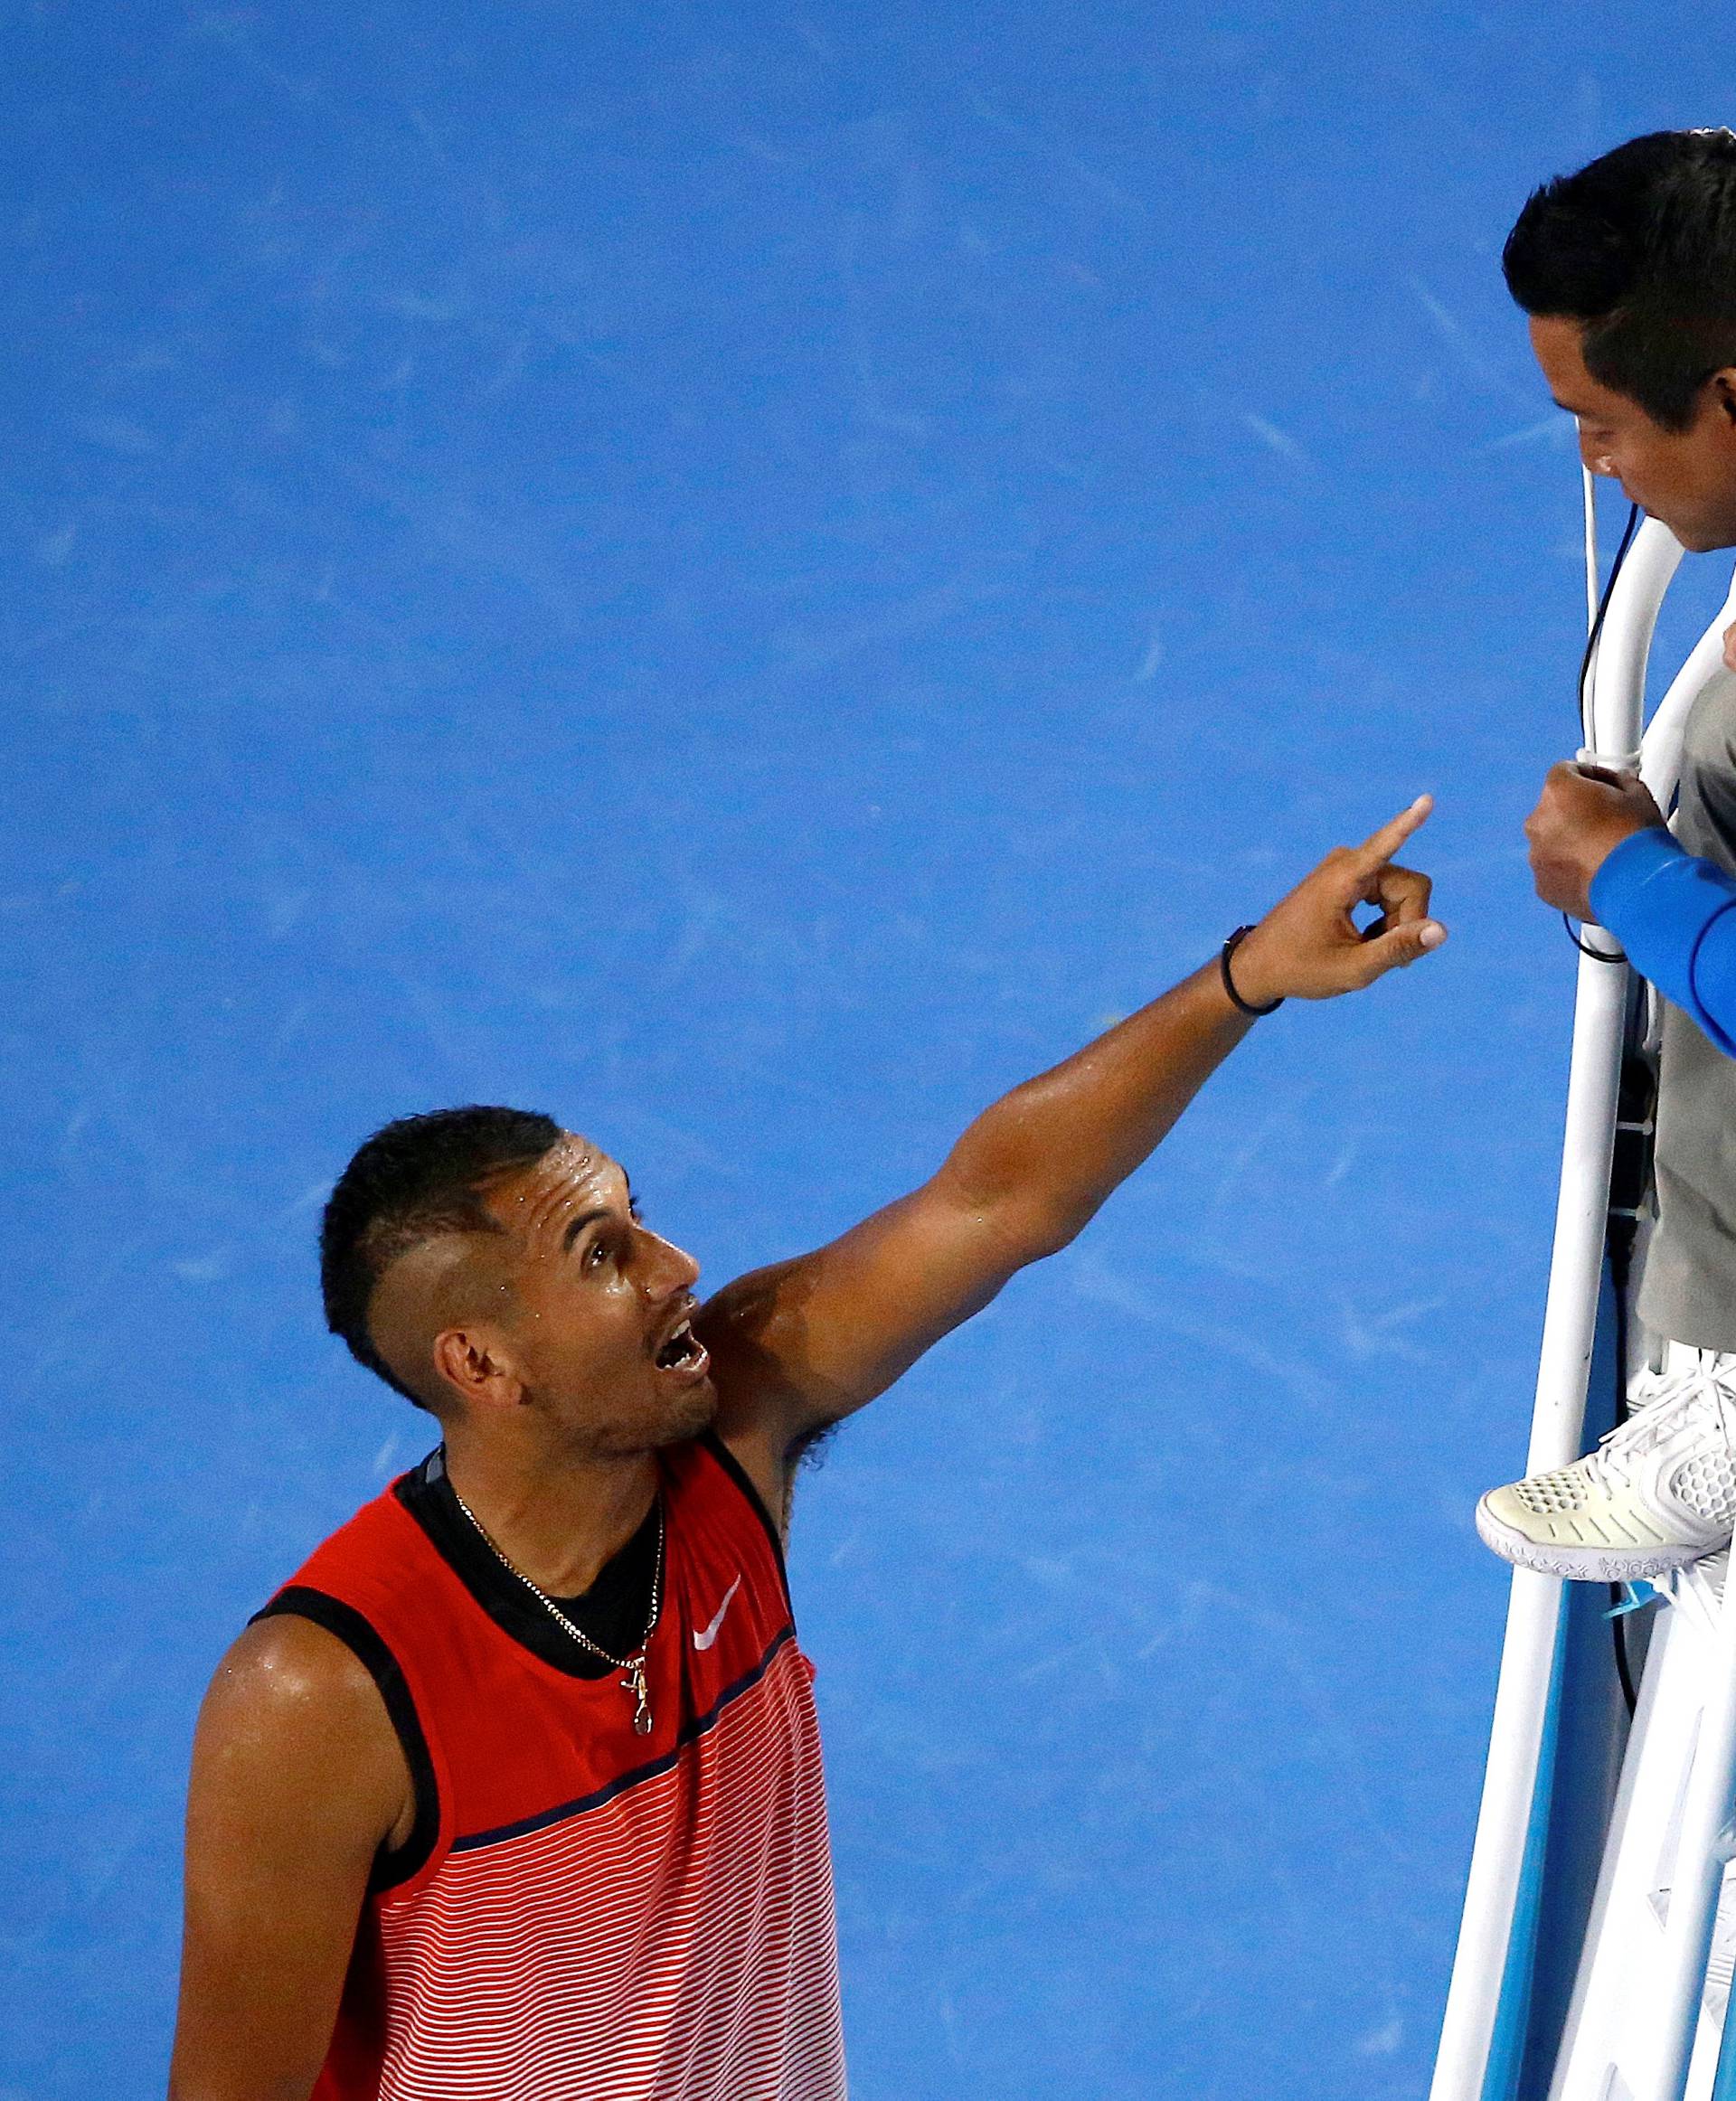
[(749, 577)]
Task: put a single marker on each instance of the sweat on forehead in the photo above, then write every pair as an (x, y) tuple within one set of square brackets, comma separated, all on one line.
[(572, 1173)]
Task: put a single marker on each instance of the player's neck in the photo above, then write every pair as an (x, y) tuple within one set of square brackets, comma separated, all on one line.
[(556, 1518)]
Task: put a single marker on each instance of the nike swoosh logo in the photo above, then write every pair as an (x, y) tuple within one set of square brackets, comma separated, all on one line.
[(705, 1641)]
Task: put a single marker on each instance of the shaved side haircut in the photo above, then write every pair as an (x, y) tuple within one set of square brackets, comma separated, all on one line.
[(416, 1179)]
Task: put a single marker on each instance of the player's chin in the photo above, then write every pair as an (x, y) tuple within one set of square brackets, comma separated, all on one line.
[(697, 1413), (676, 1416)]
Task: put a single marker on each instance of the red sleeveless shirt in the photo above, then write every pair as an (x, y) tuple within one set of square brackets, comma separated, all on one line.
[(585, 1914)]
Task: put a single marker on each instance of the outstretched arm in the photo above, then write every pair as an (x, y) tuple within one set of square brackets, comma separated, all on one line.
[(799, 1345)]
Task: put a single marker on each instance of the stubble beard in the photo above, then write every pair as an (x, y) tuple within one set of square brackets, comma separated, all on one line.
[(673, 1420)]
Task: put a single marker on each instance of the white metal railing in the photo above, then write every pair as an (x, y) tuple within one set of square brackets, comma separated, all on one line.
[(1570, 1321), (1487, 1988)]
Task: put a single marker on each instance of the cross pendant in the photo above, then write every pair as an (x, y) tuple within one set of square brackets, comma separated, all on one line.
[(635, 1683)]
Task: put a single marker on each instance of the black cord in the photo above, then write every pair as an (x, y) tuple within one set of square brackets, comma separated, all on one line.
[(1591, 641), (1596, 635), (1623, 1668), (1618, 1268), (1619, 1621), (1596, 954)]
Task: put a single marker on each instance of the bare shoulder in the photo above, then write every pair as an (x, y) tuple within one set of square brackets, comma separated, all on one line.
[(286, 1667), (761, 1395), (293, 1715), (298, 1780), (743, 1325), (799, 1345)]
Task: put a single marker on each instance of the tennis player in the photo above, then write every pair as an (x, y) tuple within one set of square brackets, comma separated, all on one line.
[(513, 1790)]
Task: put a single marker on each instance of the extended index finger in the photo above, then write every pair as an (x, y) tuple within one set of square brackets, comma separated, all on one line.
[(1380, 846)]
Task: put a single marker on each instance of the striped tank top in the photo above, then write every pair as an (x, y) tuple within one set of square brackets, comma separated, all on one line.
[(580, 1913)]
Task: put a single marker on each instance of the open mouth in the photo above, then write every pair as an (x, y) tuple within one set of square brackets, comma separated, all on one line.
[(683, 1349)]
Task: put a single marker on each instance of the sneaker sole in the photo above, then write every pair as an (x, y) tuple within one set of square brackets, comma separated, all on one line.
[(1585, 1564)]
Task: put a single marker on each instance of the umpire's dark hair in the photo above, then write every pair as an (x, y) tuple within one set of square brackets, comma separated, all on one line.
[(1641, 248), (413, 1180)]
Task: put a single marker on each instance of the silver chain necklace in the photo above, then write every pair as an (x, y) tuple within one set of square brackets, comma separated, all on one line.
[(633, 1679)]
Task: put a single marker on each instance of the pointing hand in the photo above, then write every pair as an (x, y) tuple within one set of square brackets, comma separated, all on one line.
[(1309, 946)]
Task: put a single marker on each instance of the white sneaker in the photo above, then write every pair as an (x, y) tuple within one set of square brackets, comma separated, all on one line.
[(1659, 1491)]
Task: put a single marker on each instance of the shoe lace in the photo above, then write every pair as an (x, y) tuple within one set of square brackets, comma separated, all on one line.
[(1698, 1389)]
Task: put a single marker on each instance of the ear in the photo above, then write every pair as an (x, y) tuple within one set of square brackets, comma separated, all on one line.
[(1723, 393), (474, 1363)]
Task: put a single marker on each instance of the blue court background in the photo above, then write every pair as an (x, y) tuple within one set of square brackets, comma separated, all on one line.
[(749, 577)]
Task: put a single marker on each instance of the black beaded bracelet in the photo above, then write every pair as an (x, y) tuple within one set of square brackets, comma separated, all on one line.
[(1228, 950)]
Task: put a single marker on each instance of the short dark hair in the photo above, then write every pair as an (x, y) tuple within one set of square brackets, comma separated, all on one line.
[(417, 1178), (1639, 247)]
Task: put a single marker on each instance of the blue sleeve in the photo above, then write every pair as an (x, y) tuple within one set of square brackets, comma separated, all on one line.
[(1675, 915)]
